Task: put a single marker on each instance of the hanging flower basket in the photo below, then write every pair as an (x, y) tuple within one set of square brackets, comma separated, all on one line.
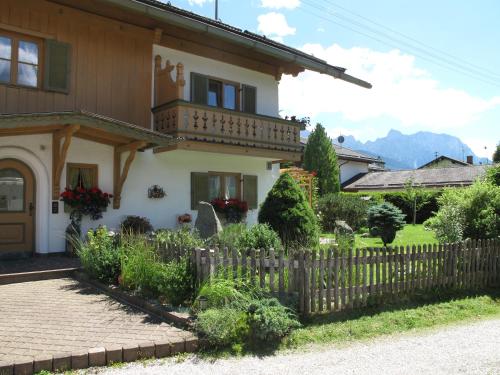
[(233, 210)]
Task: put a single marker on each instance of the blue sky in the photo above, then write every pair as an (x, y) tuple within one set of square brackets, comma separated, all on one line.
[(423, 83)]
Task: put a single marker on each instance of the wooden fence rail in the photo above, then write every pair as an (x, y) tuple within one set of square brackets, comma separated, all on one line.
[(330, 281)]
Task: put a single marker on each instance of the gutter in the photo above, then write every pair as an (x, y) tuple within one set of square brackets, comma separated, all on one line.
[(311, 63)]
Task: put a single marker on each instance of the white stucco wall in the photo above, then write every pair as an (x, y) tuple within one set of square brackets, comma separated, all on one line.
[(349, 169), (170, 170), (267, 86)]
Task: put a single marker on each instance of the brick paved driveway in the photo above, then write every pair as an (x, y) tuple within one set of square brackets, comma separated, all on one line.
[(63, 316)]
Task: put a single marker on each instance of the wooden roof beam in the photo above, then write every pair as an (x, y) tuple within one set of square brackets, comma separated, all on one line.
[(59, 155)]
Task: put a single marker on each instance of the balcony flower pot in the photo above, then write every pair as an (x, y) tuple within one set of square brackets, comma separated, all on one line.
[(230, 211)]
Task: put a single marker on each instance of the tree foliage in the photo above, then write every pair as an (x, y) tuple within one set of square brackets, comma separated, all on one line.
[(287, 211), (496, 154), (320, 157), (384, 220), (493, 175)]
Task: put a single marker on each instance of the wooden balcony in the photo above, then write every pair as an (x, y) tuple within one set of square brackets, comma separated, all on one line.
[(205, 128)]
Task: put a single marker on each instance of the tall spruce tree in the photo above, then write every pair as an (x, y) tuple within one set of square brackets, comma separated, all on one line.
[(496, 155), (320, 157)]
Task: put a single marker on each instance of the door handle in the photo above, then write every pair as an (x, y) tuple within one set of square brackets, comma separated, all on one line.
[(31, 208)]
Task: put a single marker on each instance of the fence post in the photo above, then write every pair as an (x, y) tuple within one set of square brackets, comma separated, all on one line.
[(336, 290), (271, 269), (312, 283), (307, 283), (329, 280), (321, 279), (281, 273), (253, 266), (262, 268), (301, 282)]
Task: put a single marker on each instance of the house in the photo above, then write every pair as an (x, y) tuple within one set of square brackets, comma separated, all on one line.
[(446, 162), (131, 95), (352, 163), (435, 178)]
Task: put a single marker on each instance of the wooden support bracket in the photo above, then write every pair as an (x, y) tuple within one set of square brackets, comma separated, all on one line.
[(59, 155), (119, 174)]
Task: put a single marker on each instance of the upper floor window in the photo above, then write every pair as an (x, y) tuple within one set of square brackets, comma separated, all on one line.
[(19, 60), (223, 94)]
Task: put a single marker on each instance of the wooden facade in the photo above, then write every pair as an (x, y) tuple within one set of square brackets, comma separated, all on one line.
[(111, 62)]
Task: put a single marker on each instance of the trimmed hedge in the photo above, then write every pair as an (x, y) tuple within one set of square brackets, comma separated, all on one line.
[(427, 200)]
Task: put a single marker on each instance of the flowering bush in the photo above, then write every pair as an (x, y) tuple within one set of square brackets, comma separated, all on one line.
[(232, 208), (91, 202)]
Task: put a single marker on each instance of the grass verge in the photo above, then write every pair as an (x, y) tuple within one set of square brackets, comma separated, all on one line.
[(425, 311)]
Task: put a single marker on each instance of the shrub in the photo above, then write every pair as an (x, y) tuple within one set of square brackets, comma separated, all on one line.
[(175, 244), (223, 326), (476, 209), (350, 208), (229, 236), (269, 320), (100, 256), (143, 270), (136, 225), (385, 220), (447, 224), (493, 175), (287, 211), (259, 236)]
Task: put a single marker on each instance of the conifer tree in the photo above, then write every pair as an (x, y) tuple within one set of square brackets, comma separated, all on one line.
[(496, 155), (320, 157)]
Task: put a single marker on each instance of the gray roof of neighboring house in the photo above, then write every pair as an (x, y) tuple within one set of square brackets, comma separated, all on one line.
[(180, 17), (443, 157), (349, 154), (436, 177)]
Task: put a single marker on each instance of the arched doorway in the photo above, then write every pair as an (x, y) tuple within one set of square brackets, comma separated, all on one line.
[(17, 208)]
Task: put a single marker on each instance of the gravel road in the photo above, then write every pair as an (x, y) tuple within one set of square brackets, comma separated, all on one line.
[(473, 348)]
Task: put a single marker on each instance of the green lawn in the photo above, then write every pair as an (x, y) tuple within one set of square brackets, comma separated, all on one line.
[(427, 312), (409, 235)]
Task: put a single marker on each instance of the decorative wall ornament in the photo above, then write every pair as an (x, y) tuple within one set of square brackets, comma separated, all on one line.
[(156, 192)]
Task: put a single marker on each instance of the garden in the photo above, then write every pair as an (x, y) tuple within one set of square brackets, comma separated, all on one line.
[(249, 287)]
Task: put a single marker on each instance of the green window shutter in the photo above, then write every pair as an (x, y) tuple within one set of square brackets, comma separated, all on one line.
[(57, 66), (199, 188), (249, 99), (199, 89), (250, 191)]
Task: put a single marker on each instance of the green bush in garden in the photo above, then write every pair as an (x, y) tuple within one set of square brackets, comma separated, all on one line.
[(229, 236), (176, 281), (350, 208), (252, 315), (100, 256), (175, 244), (476, 209), (493, 174), (384, 220), (288, 212), (269, 320), (259, 236), (136, 225)]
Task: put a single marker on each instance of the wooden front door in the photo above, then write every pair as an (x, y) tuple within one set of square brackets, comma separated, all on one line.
[(17, 208)]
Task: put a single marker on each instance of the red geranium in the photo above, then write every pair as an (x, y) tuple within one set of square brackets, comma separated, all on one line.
[(90, 202)]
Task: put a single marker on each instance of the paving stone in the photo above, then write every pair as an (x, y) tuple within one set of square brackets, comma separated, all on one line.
[(79, 360), (23, 368), (65, 316), (191, 344), (162, 348), (61, 362), (130, 353), (146, 350), (42, 363), (97, 357), (177, 346), (114, 354)]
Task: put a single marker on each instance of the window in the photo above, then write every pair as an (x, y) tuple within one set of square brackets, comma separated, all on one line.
[(19, 60), (11, 191), (81, 175), (208, 186), (214, 92)]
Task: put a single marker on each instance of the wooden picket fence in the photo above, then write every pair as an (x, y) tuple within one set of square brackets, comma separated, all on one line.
[(330, 281)]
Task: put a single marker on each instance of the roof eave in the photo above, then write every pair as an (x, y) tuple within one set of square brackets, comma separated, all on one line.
[(311, 63)]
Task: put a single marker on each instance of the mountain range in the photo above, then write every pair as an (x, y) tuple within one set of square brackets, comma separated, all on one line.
[(409, 151)]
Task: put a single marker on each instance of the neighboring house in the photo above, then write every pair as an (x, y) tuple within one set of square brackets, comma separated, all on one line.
[(128, 94), (352, 163), (428, 178), (446, 162)]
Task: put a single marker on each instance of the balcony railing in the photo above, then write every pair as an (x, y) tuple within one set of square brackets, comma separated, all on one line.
[(201, 123)]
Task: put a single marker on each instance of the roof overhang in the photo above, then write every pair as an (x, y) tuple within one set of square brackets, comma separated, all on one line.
[(166, 14), (92, 126)]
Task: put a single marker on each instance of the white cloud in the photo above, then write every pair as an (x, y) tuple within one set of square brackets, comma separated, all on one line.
[(279, 4), (199, 2), (401, 91), (275, 26)]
